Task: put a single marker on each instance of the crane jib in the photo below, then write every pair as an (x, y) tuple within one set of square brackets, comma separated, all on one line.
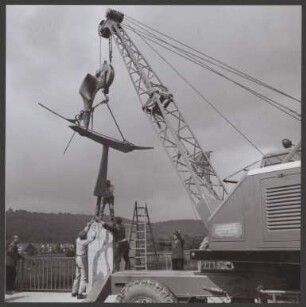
[(192, 164)]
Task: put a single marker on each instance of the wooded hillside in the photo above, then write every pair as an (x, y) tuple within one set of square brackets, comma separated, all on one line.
[(63, 227)]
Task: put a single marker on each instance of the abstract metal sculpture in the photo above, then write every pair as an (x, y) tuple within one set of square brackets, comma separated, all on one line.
[(90, 86)]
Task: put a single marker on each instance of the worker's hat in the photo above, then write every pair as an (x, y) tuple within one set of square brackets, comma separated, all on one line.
[(82, 234)]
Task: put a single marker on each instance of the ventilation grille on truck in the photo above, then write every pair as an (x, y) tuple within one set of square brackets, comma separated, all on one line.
[(283, 207)]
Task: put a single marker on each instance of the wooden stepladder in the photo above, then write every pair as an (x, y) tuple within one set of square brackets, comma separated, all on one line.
[(142, 247)]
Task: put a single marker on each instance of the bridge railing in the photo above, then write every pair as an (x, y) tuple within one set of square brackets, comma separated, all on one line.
[(56, 273), (46, 274)]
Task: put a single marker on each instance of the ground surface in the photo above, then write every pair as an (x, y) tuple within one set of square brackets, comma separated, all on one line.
[(46, 297)]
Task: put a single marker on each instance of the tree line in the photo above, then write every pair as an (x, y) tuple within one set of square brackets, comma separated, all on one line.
[(37, 227)]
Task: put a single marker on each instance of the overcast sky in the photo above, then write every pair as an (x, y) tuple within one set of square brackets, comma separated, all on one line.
[(50, 49)]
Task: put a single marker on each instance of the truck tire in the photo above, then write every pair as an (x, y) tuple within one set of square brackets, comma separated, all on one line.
[(145, 291)]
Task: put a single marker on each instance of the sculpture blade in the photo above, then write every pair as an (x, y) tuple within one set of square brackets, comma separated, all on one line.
[(73, 121), (122, 146)]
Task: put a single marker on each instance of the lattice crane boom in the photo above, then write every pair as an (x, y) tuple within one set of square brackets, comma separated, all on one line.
[(192, 164)]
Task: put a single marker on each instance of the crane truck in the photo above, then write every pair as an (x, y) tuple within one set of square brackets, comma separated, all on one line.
[(255, 229)]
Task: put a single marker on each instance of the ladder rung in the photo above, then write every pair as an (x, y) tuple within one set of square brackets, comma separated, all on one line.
[(141, 237)]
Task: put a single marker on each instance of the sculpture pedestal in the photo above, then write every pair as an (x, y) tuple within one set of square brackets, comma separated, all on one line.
[(100, 255)]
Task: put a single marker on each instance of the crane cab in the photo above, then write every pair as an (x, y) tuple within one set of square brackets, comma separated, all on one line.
[(264, 209)]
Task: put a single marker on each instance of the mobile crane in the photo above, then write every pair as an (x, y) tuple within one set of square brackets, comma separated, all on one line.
[(256, 227)]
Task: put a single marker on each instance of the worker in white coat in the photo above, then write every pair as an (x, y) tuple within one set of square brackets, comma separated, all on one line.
[(79, 283)]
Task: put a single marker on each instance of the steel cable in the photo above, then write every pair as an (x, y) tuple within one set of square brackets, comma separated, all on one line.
[(115, 122), (224, 65), (203, 97), (270, 101)]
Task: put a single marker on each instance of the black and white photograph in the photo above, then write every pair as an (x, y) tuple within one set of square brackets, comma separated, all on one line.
[(153, 154)]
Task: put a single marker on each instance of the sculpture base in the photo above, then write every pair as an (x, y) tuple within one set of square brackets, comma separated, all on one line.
[(100, 255)]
